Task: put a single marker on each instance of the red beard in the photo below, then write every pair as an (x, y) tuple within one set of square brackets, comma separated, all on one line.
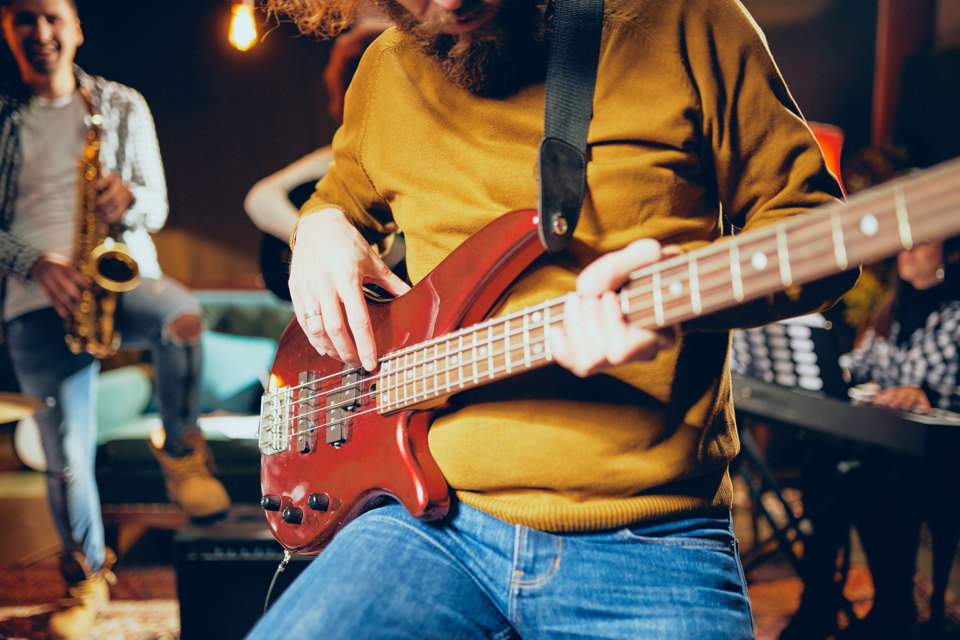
[(497, 59)]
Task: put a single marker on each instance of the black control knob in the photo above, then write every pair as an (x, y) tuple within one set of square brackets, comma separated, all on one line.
[(292, 515), (270, 502), (318, 501)]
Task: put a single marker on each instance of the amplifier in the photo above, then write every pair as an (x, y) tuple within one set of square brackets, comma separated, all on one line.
[(223, 573)]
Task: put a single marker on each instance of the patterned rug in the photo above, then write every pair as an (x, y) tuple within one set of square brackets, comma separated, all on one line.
[(143, 603)]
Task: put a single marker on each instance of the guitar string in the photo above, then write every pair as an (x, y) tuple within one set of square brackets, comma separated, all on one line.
[(401, 373), (723, 250), (402, 381), (720, 251), (450, 386), (464, 381)]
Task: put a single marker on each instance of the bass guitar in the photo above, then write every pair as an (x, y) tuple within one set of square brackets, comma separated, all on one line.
[(334, 438)]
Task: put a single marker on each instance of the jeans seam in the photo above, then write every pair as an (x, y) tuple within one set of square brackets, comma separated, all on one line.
[(546, 577), (678, 542), (513, 593)]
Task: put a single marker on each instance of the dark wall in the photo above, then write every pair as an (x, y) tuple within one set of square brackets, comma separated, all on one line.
[(224, 118), (827, 59), (227, 118)]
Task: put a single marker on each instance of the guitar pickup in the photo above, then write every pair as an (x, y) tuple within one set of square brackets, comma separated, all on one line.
[(340, 404), (309, 407)]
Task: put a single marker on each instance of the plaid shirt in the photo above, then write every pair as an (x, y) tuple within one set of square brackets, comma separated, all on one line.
[(129, 148), (929, 359)]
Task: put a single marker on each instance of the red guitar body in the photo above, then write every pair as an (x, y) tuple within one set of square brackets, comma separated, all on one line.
[(318, 482)]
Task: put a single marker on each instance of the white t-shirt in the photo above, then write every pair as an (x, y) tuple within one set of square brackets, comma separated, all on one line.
[(51, 140)]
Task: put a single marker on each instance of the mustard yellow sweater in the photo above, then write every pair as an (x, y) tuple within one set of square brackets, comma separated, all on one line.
[(691, 117)]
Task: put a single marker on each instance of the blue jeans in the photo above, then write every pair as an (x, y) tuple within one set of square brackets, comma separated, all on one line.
[(387, 575), (46, 369)]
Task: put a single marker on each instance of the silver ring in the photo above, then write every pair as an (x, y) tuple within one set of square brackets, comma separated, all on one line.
[(311, 314)]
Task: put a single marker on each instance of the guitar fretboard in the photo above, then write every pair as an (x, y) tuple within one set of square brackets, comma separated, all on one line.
[(873, 225)]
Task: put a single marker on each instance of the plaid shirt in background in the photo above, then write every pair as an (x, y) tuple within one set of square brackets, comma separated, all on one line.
[(929, 359), (129, 148)]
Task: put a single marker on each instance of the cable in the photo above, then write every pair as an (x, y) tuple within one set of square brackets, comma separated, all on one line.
[(283, 565)]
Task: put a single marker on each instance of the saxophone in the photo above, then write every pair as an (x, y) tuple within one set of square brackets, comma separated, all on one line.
[(99, 255)]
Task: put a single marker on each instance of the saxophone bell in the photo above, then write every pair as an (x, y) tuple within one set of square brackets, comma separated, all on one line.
[(114, 268)]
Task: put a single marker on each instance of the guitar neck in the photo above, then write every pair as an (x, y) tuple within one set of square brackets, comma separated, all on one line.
[(872, 225)]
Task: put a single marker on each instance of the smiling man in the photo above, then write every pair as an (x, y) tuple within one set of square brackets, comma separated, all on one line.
[(593, 497), (45, 117)]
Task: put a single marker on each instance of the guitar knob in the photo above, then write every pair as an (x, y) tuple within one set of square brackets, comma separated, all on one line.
[(292, 515), (270, 502), (318, 501)]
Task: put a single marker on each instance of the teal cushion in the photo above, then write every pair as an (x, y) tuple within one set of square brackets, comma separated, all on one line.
[(122, 396), (233, 370)]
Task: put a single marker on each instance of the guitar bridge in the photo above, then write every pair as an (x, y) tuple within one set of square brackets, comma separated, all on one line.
[(275, 411)]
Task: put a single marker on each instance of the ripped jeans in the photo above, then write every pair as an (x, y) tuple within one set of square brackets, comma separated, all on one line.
[(46, 369)]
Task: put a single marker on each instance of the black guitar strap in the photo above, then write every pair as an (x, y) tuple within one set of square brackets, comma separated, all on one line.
[(572, 60)]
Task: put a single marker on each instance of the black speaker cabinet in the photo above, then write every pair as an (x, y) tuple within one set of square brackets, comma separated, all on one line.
[(223, 573)]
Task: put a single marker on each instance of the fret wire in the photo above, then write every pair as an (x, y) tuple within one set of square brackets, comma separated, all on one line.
[(903, 219), (526, 340), (695, 287), (490, 351), (436, 375), (446, 358), (839, 249), (735, 271), (657, 298), (403, 378), (783, 257), (476, 370), (548, 352), (460, 359), (506, 344), (412, 376)]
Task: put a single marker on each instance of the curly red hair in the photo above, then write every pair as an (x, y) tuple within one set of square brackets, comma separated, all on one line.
[(321, 18)]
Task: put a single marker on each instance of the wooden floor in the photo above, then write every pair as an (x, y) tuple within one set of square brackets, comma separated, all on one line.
[(27, 537)]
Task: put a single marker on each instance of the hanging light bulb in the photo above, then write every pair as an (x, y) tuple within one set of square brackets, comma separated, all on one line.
[(243, 28)]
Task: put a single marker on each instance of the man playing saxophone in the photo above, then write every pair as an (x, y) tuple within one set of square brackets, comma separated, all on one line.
[(46, 116)]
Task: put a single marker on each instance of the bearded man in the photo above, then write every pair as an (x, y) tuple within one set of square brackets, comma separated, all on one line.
[(593, 498)]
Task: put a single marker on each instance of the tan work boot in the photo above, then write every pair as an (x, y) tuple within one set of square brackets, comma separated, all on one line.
[(85, 599), (188, 479)]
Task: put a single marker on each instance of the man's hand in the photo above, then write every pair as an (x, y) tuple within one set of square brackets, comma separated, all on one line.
[(906, 398), (331, 262), (113, 198), (60, 280), (594, 334)]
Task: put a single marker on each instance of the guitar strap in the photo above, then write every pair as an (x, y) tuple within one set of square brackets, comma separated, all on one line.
[(572, 59)]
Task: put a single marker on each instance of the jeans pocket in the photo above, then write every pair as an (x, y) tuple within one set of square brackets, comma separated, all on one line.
[(713, 533)]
